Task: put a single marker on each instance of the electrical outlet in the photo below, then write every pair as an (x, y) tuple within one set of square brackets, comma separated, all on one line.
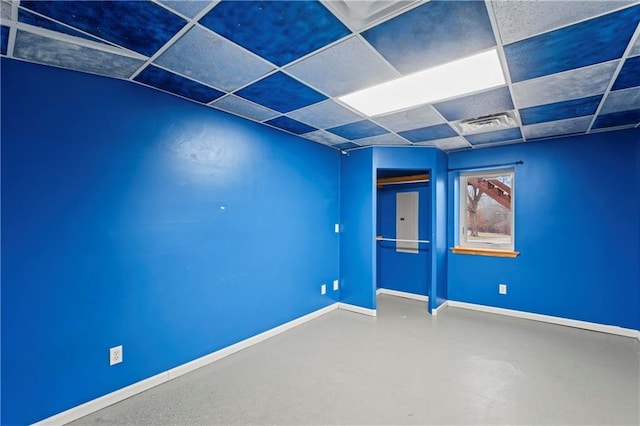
[(115, 355), (323, 289), (336, 228), (335, 285), (502, 288)]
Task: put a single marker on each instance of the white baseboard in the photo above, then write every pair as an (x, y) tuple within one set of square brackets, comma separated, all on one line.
[(602, 328), (146, 384), (440, 308), (404, 294), (357, 309), (104, 401)]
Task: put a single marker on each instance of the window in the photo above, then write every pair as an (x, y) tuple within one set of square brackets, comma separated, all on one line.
[(486, 210)]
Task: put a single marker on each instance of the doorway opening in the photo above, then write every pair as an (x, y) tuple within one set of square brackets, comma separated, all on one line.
[(403, 233)]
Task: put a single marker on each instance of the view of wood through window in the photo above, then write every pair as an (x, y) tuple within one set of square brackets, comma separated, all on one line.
[(487, 209)]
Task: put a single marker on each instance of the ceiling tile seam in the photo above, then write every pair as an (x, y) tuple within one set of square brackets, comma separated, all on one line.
[(233, 113), (162, 67), (287, 131), (351, 122), (561, 27), (70, 27), (197, 16), (166, 91), (14, 10), (505, 66), (79, 41), (254, 81), (314, 52), (492, 144), (177, 36), (228, 95), (357, 34), (208, 7), (191, 22), (11, 42), (635, 40), (622, 60), (282, 69), (287, 114), (377, 54), (613, 128)]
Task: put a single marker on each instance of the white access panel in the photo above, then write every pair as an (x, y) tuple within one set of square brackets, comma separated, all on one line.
[(407, 222)]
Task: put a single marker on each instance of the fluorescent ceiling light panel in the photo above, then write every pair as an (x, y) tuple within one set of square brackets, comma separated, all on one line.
[(471, 74)]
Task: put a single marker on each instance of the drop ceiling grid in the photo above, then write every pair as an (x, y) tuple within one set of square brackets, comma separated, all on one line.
[(318, 130)]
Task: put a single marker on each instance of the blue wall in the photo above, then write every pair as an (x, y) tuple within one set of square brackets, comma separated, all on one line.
[(358, 226), (408, 272), (134, 217), (577, 213)]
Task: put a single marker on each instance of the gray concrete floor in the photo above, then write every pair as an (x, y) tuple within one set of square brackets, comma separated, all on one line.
[(404, 367)]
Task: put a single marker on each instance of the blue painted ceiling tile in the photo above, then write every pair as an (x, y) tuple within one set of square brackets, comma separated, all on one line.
[(358, 130), (49, 51), (478, 105), (38, 21), (621, 100), (141, 26), (449, 144), (438, 131), (557, 128), (165, 80), (573, 84), (343, 68), (432, 34), (346, 145), (324, 137), (386, 139), (239, 106), (629, 75), (413, 118), (213, 60), (617, 119), (5, 11), (4, 39), (281, 93), (326, 114), (493, 137), (560, 110), (188, 8), (280, 31), (598, 40), (291, 125), (522, 19)]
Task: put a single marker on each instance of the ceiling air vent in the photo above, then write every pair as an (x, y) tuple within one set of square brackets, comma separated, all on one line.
[(362, 13), (487, 123)]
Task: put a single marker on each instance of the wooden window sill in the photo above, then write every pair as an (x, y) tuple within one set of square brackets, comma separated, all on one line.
[(484, 251)]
